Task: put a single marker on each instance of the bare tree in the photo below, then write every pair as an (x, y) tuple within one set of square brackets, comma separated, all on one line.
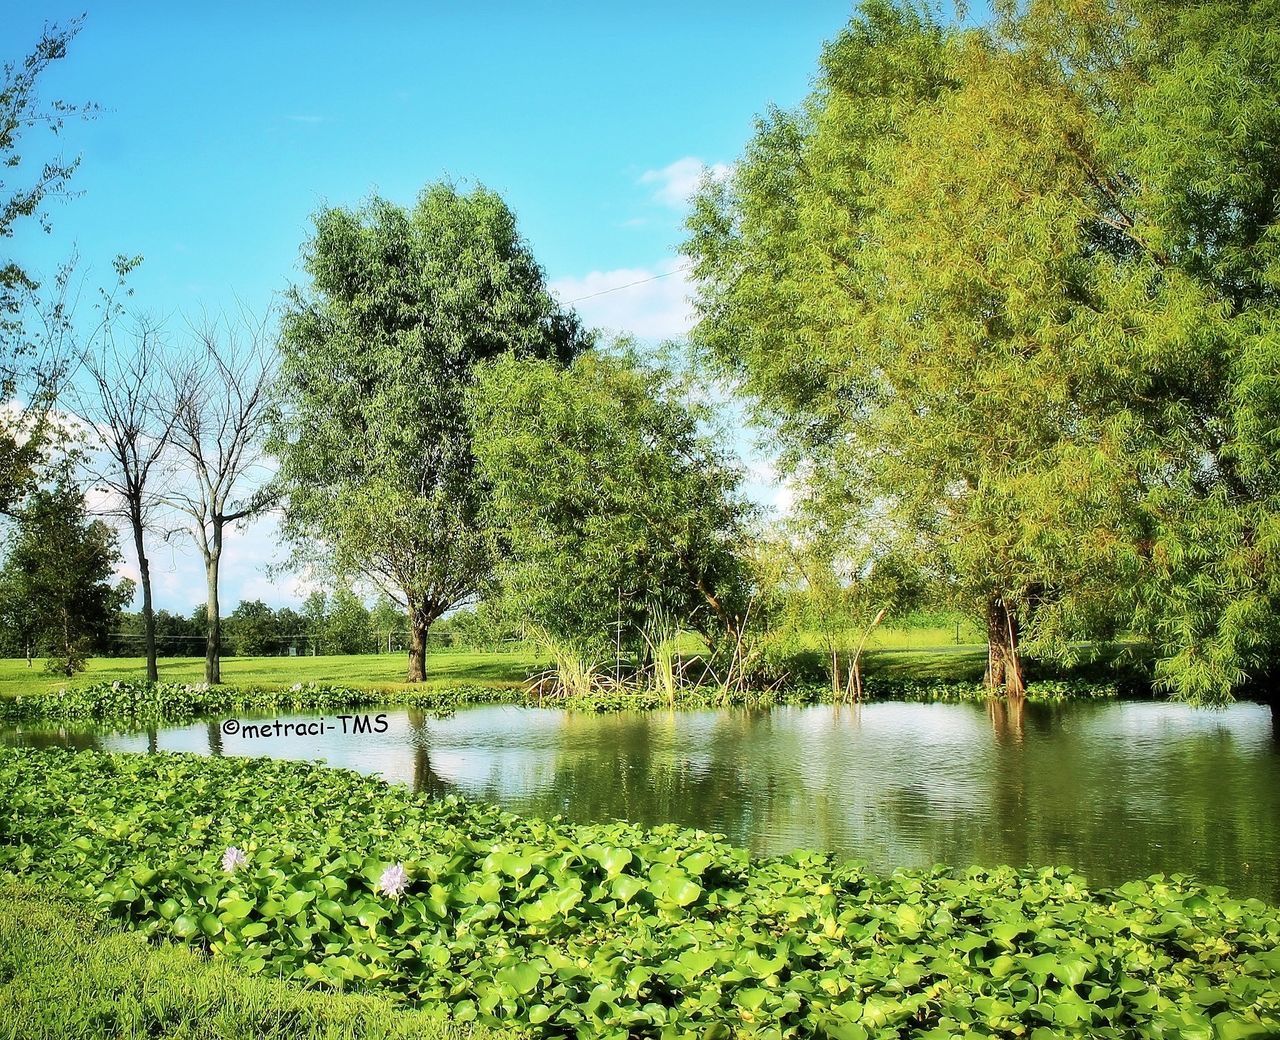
[(125, 403), (222, 398)]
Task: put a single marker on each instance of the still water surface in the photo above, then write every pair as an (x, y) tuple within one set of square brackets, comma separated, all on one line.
[(1117, 790)]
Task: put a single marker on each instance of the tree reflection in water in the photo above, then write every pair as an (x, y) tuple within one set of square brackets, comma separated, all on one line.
[(1117, 790)]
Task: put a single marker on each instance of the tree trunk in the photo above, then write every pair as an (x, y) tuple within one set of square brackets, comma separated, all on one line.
[(144, 573), (1004, 660), (417, 647), (855, 665), (213, 642)]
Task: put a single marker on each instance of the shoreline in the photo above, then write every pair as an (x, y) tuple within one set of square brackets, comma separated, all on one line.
[(140, 702)]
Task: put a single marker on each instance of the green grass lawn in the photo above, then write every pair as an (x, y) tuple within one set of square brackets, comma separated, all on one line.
[(381, 671), (921, 653), (65, 974)]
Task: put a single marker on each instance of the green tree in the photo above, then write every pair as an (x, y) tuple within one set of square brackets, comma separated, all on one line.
[(611, 505), (176, 636), (387, 621), (57, 578), (822, 587), (1015, 288), (347, 626), (315, 609), (290, 629), (377, 354), (482, 627), (252, 630)]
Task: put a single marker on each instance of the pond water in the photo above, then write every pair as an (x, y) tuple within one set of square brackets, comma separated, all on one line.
[(1117, 790)]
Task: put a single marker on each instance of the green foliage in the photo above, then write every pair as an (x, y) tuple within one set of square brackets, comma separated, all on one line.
[(614, 930), (389, 625), (67, 974), (176, 635), (609, 501), (820, 589), (348, 628), (34, 319), (134, 702), (56, 579), (482, 627), (1015, 288), (251, 629), (377, 355)]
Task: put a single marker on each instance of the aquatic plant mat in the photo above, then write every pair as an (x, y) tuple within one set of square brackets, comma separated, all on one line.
[(134, 702), (615, 930)]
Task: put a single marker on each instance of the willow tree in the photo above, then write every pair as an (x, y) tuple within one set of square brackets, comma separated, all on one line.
[(377, 355), (966, 288)]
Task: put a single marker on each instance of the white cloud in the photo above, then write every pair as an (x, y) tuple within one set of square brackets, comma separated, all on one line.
[(765, 485), (647, 302), (676, 182)]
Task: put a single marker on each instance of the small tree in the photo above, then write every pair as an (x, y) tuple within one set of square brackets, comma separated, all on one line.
[(347, 628), (388, 623), (222, 406), (843, 597), (126, 405), (57, 578), (315, 609)]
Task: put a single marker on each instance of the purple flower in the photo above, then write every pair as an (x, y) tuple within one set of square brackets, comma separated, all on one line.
[(233, 859), (393, 882)]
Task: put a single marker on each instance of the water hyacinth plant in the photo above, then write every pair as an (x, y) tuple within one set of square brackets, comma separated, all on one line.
[(620, 931), (393, 881), (233, 859), (128, 702)]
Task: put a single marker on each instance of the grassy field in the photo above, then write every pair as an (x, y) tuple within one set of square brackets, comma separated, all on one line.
[(381, 671), (63, 974), (917, 653)]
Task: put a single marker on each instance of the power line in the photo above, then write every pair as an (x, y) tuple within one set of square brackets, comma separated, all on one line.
[(628, 285)]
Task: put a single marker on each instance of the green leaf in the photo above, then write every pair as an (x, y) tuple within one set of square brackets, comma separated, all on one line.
[(297, 902)]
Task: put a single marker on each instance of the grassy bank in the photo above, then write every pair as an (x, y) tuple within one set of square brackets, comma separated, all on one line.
[(616, 930), (360, 671), (66, 975), (920, 652), (111, 689)]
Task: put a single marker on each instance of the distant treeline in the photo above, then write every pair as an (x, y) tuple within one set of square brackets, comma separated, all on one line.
[(342, 624), (327, 624), (339, 623)]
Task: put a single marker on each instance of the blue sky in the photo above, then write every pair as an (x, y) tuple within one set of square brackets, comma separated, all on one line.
[(224, 127)]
